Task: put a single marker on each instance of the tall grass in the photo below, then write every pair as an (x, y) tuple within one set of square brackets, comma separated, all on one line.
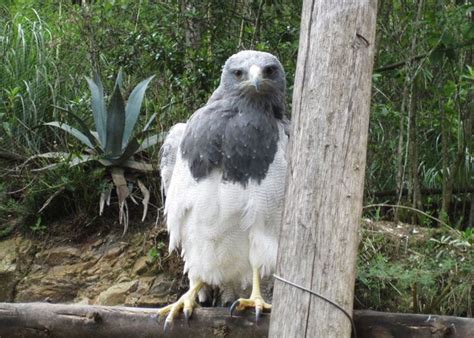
[(29, 83)]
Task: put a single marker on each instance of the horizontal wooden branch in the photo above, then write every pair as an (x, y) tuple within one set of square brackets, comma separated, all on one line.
[(60, 320), (424, 191)]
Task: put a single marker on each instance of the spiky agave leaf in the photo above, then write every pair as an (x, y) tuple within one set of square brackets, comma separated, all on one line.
[(99, 111), (149, 122), (132, 108), (72, 160), (127, 153), (151, 141), (85, 130), (73, 131), (119, 79), (115, 125)]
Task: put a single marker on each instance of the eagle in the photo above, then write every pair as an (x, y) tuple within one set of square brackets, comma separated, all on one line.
[(223, 173)]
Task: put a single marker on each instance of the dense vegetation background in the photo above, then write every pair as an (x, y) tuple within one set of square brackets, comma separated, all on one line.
[(420, 148)]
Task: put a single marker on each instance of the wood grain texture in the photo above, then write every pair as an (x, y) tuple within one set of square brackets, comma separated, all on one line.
[(331, 103), (81, 321), (31, 320)]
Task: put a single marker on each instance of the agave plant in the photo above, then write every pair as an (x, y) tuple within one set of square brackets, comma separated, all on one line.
[(113, 143)]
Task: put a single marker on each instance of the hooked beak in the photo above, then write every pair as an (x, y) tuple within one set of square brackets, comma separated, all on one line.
[(255, 77)]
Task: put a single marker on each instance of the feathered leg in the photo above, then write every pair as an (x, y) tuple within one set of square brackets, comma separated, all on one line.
[(186, 302), (255, 301)]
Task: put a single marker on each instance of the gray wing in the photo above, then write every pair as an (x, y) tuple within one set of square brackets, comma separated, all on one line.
[(168, 153), (286, 125)]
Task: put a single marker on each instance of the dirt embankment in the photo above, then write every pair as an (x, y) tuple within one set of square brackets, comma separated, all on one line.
[(104, 269)]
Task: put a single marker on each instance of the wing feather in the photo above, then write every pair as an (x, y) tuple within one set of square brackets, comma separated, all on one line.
[(168, 153)]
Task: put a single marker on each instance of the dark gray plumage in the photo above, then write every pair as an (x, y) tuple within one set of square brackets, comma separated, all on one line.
[(237, 130)]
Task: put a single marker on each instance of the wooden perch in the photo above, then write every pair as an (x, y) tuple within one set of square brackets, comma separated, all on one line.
[(59, 320)]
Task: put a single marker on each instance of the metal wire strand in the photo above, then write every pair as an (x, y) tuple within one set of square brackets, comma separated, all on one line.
[(354, 334)]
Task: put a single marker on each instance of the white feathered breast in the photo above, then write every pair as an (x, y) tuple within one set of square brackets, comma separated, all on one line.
[(222, 228)]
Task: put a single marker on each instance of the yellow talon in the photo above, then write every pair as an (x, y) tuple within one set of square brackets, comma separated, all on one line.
[(186, 303), (255, 301)]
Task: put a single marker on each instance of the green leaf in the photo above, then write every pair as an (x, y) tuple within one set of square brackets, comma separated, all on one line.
[(119, 80), (73, 131), (150, 121), (151, 141), (98, 108), (84, 129), (115, 124), (131, 149), (133, 108)]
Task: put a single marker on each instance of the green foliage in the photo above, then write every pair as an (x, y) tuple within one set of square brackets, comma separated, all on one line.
[(433, 81), (113, 144), (155, 254), (38, 227), (415, 270)]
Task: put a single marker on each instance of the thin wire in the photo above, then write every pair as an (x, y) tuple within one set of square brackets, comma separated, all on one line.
[(354, 334)]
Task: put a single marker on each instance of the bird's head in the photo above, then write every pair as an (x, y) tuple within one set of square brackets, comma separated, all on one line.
[(254, 75)]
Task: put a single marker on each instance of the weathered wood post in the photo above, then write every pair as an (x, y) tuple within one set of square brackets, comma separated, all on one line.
[(331, 102)]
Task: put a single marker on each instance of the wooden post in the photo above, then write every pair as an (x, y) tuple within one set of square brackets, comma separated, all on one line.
[(331, 103)]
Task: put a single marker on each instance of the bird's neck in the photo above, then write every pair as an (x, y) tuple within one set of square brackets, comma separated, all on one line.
[(273, 106)]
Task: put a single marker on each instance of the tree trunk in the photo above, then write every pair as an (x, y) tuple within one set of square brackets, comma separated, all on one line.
[(76, 321), (443, 213), (470, 222), (406, 99), (331, 103), (193, 32), (414, 186)]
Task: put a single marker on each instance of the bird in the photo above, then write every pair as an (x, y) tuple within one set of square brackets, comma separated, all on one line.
[(223, 175)]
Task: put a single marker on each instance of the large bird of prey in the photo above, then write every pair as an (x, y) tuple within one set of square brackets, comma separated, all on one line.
[(223, 173)]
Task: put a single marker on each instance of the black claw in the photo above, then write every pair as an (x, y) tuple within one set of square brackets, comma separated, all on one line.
[(258, 314), (187, 314), (233, 306), (166, 327)]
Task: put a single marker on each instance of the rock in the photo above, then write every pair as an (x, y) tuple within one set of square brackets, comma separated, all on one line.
[(116, 294), (59, 255), (14, 261), (114, 252), (144, 284), (107, 271), (140, 266), (58, 284)]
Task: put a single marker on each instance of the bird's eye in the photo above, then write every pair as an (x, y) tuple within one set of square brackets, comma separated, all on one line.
[(237, 74), (269, 70)]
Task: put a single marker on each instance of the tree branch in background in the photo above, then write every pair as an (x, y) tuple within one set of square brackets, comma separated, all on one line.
[(424, 191), (7, 155), (419, 57)]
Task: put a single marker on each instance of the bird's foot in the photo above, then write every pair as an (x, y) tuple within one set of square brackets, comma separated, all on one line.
[(256, 302), (186, 303)]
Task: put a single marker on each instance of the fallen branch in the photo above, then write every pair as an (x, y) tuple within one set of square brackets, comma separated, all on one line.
[(60, 320)]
